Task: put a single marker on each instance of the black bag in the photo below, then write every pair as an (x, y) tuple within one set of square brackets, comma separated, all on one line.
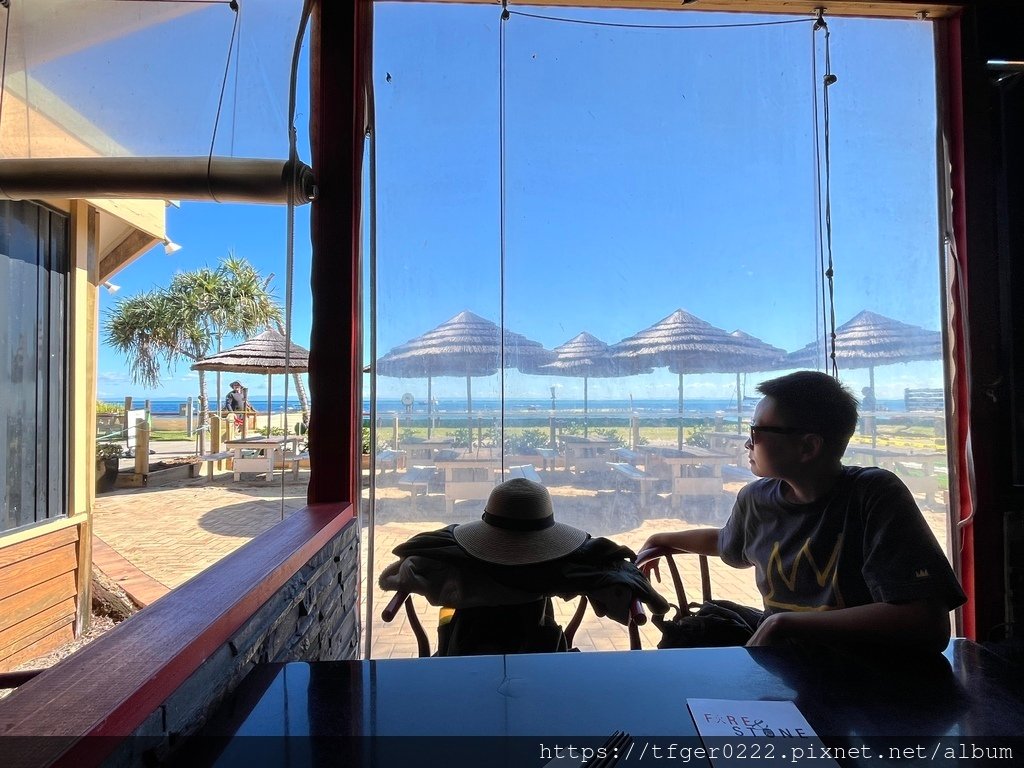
[(526, 628), (715, 624)]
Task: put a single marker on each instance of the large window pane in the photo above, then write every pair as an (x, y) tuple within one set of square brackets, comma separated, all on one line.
[(33, 360), (645, 178)]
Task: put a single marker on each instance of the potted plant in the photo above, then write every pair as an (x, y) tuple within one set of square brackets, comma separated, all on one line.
[(108, 458)]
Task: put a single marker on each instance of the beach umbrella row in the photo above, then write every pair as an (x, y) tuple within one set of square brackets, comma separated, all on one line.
[(468, 345)]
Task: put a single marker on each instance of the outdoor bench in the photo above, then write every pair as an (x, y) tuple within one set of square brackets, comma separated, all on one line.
[(296, 460), (644, 481), (211, 458)]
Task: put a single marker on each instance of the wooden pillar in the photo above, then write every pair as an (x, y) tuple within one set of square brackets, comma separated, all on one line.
[(141, 447), (340, 45)]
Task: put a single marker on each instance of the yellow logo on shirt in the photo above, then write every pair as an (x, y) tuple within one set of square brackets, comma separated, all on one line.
[(828, 574)]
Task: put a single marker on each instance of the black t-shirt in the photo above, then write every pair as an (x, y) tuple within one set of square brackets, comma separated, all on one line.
[(235, 401), (865, 542)]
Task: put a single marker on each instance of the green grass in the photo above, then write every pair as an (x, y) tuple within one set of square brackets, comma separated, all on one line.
[(170, 435)]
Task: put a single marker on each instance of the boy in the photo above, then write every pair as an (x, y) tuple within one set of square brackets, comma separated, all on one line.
[(841, 554)]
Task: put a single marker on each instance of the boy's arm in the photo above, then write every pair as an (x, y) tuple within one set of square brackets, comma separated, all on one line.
[(922, 624), (699, 541)]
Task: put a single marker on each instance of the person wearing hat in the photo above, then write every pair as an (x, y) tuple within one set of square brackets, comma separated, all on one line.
[(235, 403), (499, 573)]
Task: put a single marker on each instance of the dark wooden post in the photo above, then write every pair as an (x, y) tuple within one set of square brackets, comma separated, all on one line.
[(341, 37)]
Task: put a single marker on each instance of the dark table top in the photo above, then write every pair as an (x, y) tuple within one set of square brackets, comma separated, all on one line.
[(514, 705)]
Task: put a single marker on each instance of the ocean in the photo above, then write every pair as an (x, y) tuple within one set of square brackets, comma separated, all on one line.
[(173, 406)]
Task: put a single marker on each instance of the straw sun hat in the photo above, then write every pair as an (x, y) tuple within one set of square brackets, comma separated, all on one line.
[(518, 527)]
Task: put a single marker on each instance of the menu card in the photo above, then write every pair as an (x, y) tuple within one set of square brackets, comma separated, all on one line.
[(737, 732)]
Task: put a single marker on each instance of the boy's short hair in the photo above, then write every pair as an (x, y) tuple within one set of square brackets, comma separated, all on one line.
[(817, 402)]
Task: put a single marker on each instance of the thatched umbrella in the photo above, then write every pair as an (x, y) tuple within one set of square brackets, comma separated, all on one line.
[(687, 344), (869, 339), (265, 353), (763, 357), (466, 345), (586, 355)]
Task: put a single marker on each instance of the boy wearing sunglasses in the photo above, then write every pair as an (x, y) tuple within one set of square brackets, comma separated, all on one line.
[(841, 554)]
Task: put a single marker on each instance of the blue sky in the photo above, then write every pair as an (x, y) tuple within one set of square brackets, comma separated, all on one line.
[(646, 170)]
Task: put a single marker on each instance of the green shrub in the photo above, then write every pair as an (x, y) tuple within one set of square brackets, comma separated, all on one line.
[(106, 451), (607, 433), (526, 442), (102, 407), (699, 436)]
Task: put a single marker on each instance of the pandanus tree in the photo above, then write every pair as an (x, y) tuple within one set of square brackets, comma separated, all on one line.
[(185, 320)]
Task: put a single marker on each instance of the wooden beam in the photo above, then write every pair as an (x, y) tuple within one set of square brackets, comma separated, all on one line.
[(135, 244), (892, 9)]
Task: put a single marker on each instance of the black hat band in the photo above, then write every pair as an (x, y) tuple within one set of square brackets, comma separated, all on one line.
[(514, 524)]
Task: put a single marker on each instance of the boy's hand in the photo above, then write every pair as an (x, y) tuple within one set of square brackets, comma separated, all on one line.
[(772, 631), (648, 560)]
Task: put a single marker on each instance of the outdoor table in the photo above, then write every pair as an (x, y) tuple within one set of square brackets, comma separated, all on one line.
[(730, 442), (587, 454), (269, 450), (514, 710), (694, 471), (467, 479), (896, 460), (424, 450)]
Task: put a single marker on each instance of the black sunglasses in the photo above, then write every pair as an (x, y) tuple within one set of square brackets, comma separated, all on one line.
[(757, 428)]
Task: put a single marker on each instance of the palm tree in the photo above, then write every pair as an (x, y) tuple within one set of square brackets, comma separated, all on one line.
[(183, 320)]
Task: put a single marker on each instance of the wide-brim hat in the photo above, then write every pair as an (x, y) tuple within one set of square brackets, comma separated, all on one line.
[(518, 527)]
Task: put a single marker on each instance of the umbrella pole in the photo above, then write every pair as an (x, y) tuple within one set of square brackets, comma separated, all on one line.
[(430, 409), (585, 425), (874, 423), (680, 441), (270, 398), (739, 406), (469, 408)]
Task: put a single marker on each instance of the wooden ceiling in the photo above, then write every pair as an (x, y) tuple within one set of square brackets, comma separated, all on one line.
[(892, 9)]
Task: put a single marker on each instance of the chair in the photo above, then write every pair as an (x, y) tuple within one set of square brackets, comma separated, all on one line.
[(677, 580), (417, 479), (524, 628)]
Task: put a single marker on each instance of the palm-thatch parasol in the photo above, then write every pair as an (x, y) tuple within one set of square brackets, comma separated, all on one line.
[(266, 354), (687, 344), (586, 355), (763, 357), (869, 339), (466, 345)]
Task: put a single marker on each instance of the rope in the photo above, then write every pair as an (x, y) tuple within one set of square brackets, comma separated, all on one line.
[(828, 80), (293, 161), (622, 25), (820, 321), (501, 217), (220, 100), (3, 67)]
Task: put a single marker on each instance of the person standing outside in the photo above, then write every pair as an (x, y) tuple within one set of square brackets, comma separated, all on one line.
[(235, 404)]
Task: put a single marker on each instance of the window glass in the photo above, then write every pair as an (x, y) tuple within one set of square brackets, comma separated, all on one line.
[(583, 183)]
